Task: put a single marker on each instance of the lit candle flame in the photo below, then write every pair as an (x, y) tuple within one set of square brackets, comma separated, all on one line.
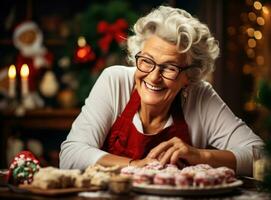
[(12, 72), (24, 71)]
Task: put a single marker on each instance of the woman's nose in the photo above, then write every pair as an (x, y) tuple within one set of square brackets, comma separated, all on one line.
[(155, 75)]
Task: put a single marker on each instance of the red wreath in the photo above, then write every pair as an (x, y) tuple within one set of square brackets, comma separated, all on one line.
[(115, 31)]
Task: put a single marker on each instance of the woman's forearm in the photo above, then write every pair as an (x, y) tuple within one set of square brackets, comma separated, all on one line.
[(215, 158), (110, 159)]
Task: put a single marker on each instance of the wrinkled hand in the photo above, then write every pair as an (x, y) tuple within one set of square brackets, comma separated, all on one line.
[(173, 150), (142, 162)]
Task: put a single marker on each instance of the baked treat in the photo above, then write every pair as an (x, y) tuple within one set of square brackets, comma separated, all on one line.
[(170, 168), (144, 176), (93, 169), (47, 178), (218, 177), (182, 180), (99, 175), (201, 175), (202, 167), (129, 170), (82, 181), (50, 177), (154, 165), (100, 179), (203, 178), (119, 184), (68, 176), (227, 173), (164, 178)]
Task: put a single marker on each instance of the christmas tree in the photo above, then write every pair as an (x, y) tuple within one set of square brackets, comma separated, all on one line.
[(96, 39)]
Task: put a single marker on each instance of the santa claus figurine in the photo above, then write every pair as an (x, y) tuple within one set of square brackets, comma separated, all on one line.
[(28, 39)]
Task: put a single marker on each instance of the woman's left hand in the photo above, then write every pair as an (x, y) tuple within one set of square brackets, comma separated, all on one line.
[(173, 150)]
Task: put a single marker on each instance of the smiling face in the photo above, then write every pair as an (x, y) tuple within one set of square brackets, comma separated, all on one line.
[(153, 89)]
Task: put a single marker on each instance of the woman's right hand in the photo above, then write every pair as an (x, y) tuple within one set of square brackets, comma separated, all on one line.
[(142, 162)]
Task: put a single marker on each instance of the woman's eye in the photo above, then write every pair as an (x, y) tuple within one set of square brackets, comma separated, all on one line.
[(170, 68), (147, 61)]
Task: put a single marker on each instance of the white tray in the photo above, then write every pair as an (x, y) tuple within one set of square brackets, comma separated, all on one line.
[(186, 191)]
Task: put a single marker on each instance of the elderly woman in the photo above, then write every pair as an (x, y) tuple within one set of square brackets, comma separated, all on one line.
[(161, 109)]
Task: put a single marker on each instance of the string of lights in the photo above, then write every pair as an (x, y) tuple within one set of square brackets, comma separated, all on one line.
[(253, 30)]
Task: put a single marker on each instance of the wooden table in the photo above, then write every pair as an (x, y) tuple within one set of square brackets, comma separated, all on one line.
[(248, 191)]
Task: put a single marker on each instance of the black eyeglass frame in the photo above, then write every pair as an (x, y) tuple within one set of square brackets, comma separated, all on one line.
[(180, 69)]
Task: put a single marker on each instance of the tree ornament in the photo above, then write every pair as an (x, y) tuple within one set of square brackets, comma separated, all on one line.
[(84, 52), (49, 85)]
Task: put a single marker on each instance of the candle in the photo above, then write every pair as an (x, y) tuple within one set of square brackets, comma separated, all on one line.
[(12, 81), (24, 78)]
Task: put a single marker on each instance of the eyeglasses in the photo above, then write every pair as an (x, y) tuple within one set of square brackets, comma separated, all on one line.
[(168, 71)]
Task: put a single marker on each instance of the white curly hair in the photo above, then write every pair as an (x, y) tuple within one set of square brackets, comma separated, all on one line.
[(185, 31)]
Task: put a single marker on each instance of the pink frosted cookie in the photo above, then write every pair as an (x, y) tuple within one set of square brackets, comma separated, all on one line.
[(171, 169), (144, 176), (203, 178), (164, 178), (229, 174), (218, 177), (129, 170), (189, 171), (154, 165), (202, 167), (182, 180)]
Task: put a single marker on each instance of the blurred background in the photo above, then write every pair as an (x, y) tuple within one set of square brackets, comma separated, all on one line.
[(51, 53)]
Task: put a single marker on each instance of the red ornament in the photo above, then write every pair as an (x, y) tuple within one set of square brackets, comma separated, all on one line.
[(84, 54), (115, 31)]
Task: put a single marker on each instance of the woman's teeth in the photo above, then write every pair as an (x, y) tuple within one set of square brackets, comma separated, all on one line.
[(153, 87)]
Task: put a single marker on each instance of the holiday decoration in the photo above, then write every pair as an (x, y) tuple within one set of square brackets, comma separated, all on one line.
[(24, 72), (12, 81), (28, 39), (106, 29), (49, 85), (84, 52), (22, 168), (115, 31), (82, 47)]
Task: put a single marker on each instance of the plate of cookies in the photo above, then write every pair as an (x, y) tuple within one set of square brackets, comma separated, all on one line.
[(201, 179)]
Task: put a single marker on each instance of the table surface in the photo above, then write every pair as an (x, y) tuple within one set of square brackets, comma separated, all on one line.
[(248, 191)]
